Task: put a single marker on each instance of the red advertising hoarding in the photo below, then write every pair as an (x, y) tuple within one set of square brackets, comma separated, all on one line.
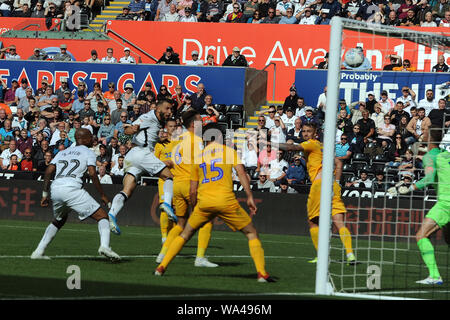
[(290, 47)]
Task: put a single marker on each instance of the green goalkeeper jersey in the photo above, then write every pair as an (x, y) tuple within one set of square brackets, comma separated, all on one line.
[(443, 175), (429, 165)]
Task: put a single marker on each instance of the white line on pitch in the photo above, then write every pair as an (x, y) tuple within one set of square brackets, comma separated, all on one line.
[(152, 235), (150, 256)]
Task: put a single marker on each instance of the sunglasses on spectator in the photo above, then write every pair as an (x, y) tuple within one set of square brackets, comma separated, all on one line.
[(271, 111), (235, 7), (87, 104), (123, 116), (344, 138), (406, 64), (398, 137)]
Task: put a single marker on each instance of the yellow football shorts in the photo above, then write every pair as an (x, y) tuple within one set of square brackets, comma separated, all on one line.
[(232, 214), (313, 204), (181, 198), (161, 190)]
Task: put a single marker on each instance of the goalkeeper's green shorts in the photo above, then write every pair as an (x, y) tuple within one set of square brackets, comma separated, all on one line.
[(440, 213)]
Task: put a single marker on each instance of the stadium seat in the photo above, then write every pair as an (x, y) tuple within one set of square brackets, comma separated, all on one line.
[(223, 126), (221, 108), (359, 157), (348, 168), (380, 158)]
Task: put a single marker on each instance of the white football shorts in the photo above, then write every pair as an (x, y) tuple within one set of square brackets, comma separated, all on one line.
[(67, 198), (140, 160)]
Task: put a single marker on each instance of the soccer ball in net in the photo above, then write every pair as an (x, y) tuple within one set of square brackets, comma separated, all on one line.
[(354, 57)]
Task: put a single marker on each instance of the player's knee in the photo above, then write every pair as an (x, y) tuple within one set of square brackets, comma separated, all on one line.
[(59, 223)]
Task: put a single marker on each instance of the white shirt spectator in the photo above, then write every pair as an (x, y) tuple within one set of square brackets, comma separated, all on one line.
[(109, 60), (198, 62), (128, 59), (282, 6), (106, 179), (322, 100), (289, 122), (428, 105), (308, 20), (250, 158), (170, 17), (21, 124), (117, 171), (88, 126), (6, 155), (387, 105), (406, 100), (9, 56), (270, 123), (276, 168)]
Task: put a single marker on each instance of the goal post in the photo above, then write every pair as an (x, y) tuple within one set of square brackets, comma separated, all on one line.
[(324, 282)]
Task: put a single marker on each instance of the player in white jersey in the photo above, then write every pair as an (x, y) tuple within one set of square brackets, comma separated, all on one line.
[(67, 193), (141, 159)]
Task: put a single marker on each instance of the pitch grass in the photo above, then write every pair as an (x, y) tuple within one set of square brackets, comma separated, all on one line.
[(132, 278)]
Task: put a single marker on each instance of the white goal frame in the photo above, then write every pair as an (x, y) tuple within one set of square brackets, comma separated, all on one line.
[(323, 284)]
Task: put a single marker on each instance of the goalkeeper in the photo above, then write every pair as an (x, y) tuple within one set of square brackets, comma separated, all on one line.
[(437, 168)]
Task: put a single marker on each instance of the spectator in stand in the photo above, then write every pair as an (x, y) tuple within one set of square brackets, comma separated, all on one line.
[(27, 163), (3, 117), (214, 11), (356, 140), (24, 102), (127, 58), (265, 156), (418, 127), (121, 152), (250, 7), (271, 17), (104, 159), (255, 18), (282, 6), (172, 15), (125, 15), (11, 54), (395, 61), (405, 67), (402, 11), (163, 94), (300, 107), (392, 19), (387, 104), (115, 114), (323, 64), (178, 98), (386, 131), (45, 162), (264, 185), (94, 57), (397, 150), (106, 130), (211, 115), (296, 173), (363, 182), (398, 113), (146, 96), (428, 21), (367, 9), (25, 141), (264, 6), (78, 104), (236, 59), (371, 101), (441, 66), (402, 127), (109, 56), (109, 95), (129, 96), (5, 156), (163, 8), (379, 183), (278, 132), (62, 55), (289, 119), (169, 57), (438, 116), (86, 111), (118, 169), (119, 128), (322, 103), (421, 8), (343, 106), (429, 102), (195, 60), (198, 98), (38, 55), (439, 9), (291, 99), (10, 94), (285, 188), (103, 177), (367, 127), (13, 163), (19, 121), (408, 98), (344, 124), (188, 16), (112, 105), (6, 130), (38, 11), (378, 116), (309, 116), (136, 7), (295, 134), (351, 8), (236, 16), (308, 18), (343, 151), (135, 113), (270, 117), (446, 21), (289, 18)]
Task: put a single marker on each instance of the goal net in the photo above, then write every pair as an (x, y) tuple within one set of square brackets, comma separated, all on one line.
[(383, 226)]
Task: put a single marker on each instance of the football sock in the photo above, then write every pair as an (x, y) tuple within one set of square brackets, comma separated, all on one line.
[(346, 239), (164, 224), (314, 231), (168, 190), (48, 236), (175, 247), (103, 229), (427, 251), (175, 232), (257, 254), (117, 203), (204, 235)]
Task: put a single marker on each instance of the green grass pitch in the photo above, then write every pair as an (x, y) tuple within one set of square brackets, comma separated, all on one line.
[(132, 278)]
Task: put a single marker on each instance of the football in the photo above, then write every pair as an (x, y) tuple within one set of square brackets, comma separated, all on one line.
[(354, 57)]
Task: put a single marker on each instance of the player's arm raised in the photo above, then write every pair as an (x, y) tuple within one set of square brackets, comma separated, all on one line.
[(290, 147), (49, 172), (93, 174), (243, 178)]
